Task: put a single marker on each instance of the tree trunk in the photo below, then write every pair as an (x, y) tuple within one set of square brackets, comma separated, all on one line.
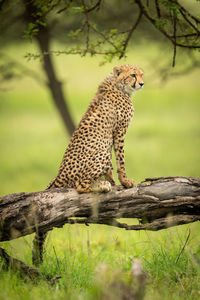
[(43, 39), (55, 86), (158, 203)]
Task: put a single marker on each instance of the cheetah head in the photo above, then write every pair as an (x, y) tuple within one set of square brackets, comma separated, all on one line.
[(128, 78)]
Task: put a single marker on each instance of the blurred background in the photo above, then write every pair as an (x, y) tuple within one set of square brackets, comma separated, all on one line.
[(164, 137), (42, 99), (162, 140)]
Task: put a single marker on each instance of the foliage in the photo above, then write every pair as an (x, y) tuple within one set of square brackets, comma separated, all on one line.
[(169, 17), (108, 27)]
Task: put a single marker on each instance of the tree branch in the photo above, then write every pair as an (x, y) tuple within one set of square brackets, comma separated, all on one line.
[(130, 33), (174, 55), (157, 8), (158, 203), (166, 32), (186, 11), (96, 6), (188, 21)]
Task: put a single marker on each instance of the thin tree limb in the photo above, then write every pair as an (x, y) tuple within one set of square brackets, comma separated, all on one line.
[(157, 8), (130, 33), (188, 21), (96, 6)]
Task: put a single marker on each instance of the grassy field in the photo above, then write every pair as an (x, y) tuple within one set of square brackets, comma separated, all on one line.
[(163, 140)]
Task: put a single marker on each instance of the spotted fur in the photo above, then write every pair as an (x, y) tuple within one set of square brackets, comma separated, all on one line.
[(88, 156)]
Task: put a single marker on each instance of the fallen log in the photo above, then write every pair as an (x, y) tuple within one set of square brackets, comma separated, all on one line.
[(158, 203)]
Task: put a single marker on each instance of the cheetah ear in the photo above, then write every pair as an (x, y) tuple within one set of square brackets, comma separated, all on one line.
[(116, 71)]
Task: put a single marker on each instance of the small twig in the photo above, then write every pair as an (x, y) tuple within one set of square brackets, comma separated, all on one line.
[(65, 7), (186, 241), (106, 39), (97, 5), (187, 46), (72, 52), (174, 55), (185, 35), (88, 10)]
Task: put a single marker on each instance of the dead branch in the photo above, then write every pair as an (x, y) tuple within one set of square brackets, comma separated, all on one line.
[(158, 203), (24, 270)]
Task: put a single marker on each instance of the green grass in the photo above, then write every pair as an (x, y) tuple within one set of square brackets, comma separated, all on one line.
[(77, 254), (163, 140)]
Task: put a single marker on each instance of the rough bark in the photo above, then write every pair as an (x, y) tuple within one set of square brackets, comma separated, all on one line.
[(158, 203)]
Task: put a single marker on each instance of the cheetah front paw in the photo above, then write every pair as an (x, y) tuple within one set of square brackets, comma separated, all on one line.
[(127, 183)]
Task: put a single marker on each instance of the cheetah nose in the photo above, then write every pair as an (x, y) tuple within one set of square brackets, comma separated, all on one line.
[(141, 83)]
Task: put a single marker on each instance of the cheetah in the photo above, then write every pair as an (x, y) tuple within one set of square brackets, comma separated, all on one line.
[(88, 156)]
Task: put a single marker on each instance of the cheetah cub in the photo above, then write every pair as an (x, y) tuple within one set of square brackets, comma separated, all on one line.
[(103, 126)]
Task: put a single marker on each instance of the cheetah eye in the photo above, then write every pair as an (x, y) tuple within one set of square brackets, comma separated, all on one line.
[(133, 75)]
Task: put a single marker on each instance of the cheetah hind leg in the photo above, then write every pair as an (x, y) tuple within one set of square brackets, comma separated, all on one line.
[(84, 186), (109, 177), (100, 186)]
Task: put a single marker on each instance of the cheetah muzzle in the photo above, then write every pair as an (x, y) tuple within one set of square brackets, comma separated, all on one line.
[(88, 156)]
